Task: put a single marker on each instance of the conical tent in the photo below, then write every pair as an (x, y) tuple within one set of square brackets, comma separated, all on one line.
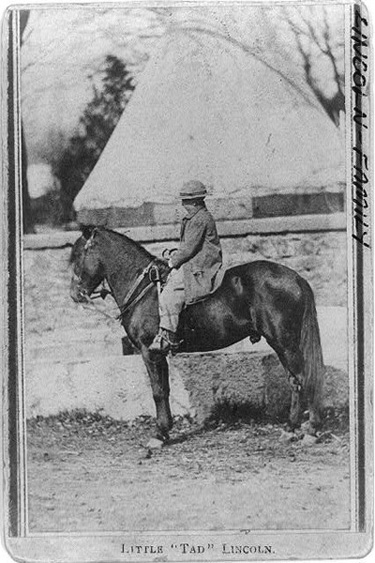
[(207, 109)]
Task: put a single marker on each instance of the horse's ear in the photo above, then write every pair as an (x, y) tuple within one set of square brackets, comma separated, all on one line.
[(87, 231), (89, 234)]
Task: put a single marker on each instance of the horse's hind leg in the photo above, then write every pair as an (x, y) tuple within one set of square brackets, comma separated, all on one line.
[(295, 406), (158, 372), (292, 360)]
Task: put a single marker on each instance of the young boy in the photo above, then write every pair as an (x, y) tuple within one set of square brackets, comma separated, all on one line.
[(194, 265)]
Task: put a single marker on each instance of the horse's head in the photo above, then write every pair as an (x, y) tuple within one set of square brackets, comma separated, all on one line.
[(88, 272)]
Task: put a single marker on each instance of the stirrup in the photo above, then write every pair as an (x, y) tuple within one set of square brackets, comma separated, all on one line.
[(163, 343), (159, 344), (172, 341)]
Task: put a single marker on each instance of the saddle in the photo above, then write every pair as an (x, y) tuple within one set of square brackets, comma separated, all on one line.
[(159, 275), (216, 284)]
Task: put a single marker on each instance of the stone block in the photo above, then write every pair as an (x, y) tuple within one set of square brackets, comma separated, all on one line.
[(202, 385), (116, 386), (250, 384)]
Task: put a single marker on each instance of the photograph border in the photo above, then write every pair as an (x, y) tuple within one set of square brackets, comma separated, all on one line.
[(291, 544)]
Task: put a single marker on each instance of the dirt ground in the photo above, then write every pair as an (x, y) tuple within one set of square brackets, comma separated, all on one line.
[(92, 473)]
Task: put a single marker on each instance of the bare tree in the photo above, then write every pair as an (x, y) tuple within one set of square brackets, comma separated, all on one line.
[(298, 43), (314, 39)]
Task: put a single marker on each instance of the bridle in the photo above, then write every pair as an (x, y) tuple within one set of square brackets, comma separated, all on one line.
[(151, 271), (82, 292)]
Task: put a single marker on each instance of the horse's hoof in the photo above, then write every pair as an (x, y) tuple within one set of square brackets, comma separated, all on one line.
[(292, 427), (309, 440), (254, 338), (308, 429), (155, 444), (287, 437)]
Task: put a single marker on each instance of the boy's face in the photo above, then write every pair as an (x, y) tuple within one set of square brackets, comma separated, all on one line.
[(188, 204)]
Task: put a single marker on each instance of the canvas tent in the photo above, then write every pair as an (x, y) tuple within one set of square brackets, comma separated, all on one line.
[(206, 108)]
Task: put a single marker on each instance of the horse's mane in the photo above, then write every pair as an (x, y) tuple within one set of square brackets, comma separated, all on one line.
[(87, 232), (74, 253), (161, 263)]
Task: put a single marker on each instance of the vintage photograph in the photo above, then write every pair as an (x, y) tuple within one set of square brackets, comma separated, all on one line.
[(187, 368)]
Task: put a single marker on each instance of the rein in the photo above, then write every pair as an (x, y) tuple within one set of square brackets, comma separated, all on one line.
[(89, 304), (89, 301), (151, 271), (128, 302)]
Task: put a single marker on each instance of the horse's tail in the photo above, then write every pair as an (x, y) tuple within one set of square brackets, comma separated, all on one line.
[(311, 349)]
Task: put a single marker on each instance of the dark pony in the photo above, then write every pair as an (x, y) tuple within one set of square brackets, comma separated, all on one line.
[(257, 299)]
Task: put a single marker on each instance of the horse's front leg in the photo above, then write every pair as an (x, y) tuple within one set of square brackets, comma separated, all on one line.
[(158, 372)]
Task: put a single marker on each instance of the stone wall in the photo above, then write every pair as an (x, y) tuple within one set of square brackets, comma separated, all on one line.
[(303, 201), (318, 257), (53, 322)]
